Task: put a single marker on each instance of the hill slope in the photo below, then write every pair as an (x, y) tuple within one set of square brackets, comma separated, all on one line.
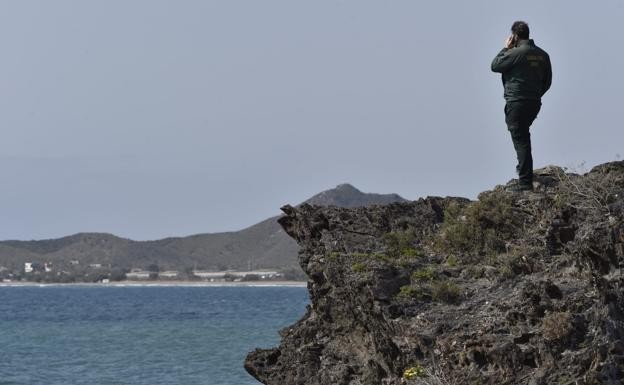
[(263, 245)]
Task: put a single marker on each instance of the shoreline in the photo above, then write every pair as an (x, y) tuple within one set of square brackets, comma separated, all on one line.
[(161, 284)]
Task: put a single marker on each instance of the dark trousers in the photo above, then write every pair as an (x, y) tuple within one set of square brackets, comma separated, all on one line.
[(519, 116)]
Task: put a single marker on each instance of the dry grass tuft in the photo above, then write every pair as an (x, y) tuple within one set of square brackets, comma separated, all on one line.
[(557, 325)]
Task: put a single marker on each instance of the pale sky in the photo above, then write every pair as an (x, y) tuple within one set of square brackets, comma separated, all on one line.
[(149, 118)]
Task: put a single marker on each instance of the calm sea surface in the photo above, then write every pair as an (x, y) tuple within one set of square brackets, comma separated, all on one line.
[(139, 335)]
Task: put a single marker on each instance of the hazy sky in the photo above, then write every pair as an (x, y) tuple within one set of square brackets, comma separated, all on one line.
[(150, 118)]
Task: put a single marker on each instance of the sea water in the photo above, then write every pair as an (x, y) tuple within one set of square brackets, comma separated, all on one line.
[(139, 335)]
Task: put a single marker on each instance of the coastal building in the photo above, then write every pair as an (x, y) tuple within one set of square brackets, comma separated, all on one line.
[(95, 265), (236, 275), (47, 267), (209, 275), (74, 262), (138, 274), (168, 274), (28, 267), (262, 274)]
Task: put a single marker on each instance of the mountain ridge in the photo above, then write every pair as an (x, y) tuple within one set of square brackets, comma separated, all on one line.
[(261, 245)]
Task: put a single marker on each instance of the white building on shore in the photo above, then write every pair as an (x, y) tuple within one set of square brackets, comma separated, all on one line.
[(138, 274), (237, 275), (168, 274)]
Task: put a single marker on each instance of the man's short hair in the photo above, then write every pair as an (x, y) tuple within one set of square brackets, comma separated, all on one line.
[(520, 29)]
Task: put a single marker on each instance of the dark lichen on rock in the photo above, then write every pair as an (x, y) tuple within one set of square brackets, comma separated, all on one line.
[(509, 289)]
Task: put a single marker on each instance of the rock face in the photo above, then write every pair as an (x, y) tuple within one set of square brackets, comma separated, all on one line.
[(510, 289)]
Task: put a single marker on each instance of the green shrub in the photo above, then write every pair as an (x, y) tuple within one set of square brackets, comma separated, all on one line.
[(333, 255), (505, 271), (452, 261), (494, 210), (445, 292), (411, 252), (519, 260), (417, 292), (382, 257), (358, 267), (426, 274), (363, 257), (401, 244), (480, 227)]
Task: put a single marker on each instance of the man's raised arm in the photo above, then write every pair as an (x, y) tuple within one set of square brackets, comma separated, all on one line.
[(505, 58)]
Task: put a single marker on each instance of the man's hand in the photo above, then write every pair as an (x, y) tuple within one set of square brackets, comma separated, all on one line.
[(510, 42)]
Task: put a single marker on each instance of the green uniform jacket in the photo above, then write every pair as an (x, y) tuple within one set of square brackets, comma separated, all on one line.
[(526, 70)]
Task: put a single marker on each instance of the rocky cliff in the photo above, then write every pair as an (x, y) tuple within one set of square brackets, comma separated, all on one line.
[(509, 289)]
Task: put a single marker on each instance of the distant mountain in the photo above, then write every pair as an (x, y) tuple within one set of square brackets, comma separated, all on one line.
[(345, 195), (261, 246)]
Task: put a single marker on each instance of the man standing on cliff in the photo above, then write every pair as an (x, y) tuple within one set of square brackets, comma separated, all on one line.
[(527, 75)]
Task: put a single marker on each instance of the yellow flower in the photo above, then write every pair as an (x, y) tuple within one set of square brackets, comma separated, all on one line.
[(414, 372)]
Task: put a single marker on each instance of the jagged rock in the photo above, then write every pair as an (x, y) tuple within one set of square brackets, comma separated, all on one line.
[(537, 300)]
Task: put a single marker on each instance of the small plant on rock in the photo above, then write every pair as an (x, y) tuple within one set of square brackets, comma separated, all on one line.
[(413, 372), (452, 261), (402, 244), (430, 375), (445, 292), (480, 227), (333, 255), (358, 267), (557, 325), (592, 193), (519, 260), (426, 274), (416, 292)]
